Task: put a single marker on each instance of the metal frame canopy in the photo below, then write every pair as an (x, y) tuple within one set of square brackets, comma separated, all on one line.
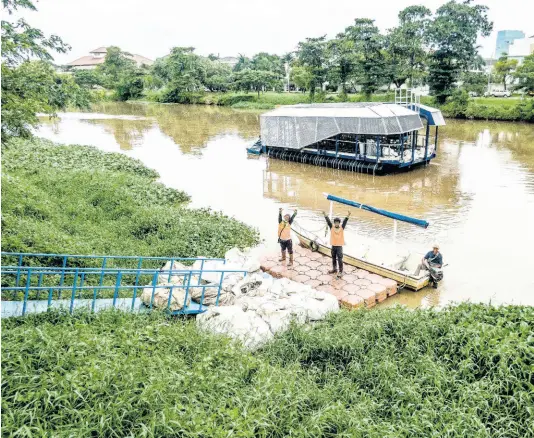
[(298, 126)]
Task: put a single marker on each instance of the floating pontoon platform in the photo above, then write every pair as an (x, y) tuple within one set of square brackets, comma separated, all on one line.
[(369, 137)]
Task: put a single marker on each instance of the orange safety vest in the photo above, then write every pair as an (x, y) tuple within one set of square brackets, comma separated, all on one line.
[(337, 236), (284, 231)]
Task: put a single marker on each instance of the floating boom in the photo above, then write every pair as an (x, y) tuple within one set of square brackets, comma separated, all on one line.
[(399, 217)]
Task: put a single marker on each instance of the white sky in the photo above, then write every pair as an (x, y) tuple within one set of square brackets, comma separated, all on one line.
[(229, 27)]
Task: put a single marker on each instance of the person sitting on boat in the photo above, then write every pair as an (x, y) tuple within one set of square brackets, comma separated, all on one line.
[(337, 240), (432, 260), (284, 235)]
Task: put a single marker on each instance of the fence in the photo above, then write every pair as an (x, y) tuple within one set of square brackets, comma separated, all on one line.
[(29, 287)]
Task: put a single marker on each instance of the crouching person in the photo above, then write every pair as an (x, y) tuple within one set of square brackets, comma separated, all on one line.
[(284, 235), (432, 260), (337, 240)]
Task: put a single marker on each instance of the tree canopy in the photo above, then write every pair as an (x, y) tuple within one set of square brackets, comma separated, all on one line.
[(30, 84), (312, 55), (525, 74), (405, 46), (504, 69), (452, 36)]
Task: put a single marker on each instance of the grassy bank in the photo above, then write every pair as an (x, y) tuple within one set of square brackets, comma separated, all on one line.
[(78, 200), (511, 109), (462, 372), (267, 100)]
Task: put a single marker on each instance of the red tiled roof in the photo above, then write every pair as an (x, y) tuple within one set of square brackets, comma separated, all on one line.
[(91, 60), (100, 50), (87, 60)]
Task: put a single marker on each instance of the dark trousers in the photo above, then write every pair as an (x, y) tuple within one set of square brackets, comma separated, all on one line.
[(337, 254), (287, 244)]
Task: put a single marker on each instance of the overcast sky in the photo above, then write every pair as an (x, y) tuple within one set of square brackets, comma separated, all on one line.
[(229, 27)]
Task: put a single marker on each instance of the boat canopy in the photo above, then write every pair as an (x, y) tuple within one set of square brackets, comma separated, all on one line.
[(433, 115), (298, 126)]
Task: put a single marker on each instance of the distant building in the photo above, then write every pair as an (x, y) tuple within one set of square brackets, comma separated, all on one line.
[(98, 56), (229, 60), (504, 39), (521, 48)]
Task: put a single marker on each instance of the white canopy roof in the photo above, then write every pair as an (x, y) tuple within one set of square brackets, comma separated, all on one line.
[(297, 126)]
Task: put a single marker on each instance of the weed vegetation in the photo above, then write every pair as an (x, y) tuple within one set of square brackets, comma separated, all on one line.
[(460, 106), (464, 371), (511, 109), (78, 200)]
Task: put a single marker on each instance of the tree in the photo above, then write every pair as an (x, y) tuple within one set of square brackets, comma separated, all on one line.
[(368, 44), (312, 54), (504, 69), (116, 66), (452, 36), (477, 63), (404, 46), (120, 73), (87, 78), (341, 60), (474, 81), (181, 72), (30, 84), (525, 74), (218, 76), (242, 63), (265, 61), (256, 80), (396, 60), (301, 77)]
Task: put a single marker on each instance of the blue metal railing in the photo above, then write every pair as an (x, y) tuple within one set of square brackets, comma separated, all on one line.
[(31, 288)]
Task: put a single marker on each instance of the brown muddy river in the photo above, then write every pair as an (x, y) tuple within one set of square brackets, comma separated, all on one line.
[(478, 194)]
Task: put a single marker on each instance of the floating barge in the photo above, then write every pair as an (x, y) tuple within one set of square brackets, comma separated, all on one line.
[(398, 266), (368, 137)]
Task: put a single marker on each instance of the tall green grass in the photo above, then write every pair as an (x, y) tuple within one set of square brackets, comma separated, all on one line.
[(464, 371), (78, 200)]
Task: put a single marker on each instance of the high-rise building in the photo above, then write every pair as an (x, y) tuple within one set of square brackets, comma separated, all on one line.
[(504, 39)]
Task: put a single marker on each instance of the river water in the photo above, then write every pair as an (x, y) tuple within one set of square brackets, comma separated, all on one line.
[(478, 194)]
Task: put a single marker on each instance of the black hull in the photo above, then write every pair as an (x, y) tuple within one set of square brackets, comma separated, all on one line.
[(351, 165)]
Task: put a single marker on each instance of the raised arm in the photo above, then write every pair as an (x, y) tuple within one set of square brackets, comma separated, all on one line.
[(327, 220), (279, 215), (293, 217), (344, 224)]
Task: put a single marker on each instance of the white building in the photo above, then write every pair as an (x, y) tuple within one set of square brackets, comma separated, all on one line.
[(521, 48), (98, 56)]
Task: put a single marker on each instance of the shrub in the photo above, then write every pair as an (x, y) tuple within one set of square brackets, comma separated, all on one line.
[(456, 105), (176, 95), (463, 371), (232, 99), (78, 200), (130, 87)]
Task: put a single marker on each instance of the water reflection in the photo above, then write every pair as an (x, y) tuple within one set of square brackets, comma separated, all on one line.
[(419, 193), (127, 133), (478, 195), (179, 122)]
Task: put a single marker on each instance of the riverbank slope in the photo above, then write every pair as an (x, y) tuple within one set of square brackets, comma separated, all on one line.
[(78, 200), (463, 371)]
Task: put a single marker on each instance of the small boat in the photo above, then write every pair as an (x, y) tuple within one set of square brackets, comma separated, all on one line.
[(255, 149), (398, 267)]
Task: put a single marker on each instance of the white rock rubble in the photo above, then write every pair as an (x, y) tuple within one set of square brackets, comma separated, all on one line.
[(252, 308)]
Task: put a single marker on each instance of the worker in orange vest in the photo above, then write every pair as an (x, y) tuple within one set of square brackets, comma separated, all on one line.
[(337, 240), (284, 235)]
